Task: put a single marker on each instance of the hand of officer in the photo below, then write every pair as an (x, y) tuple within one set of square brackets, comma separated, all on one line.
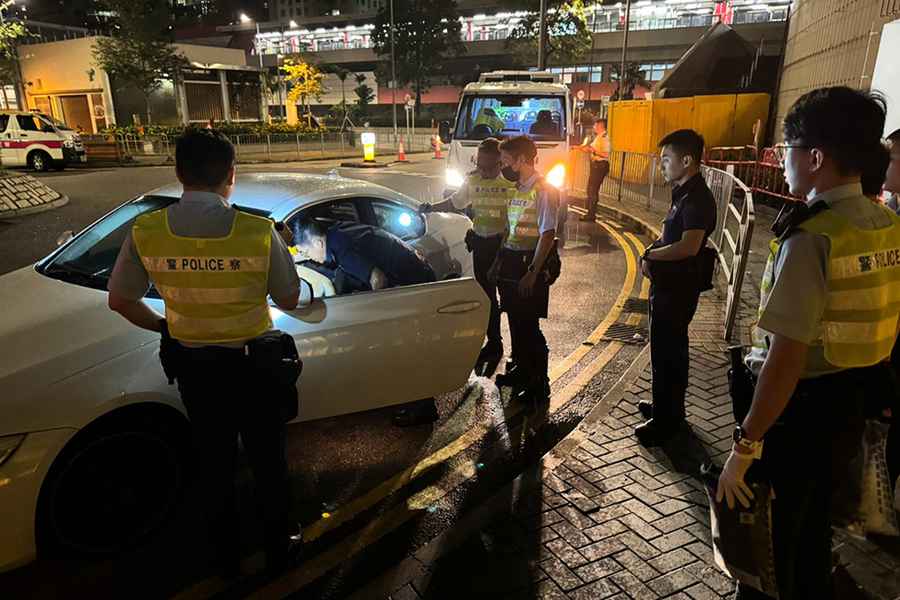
[(731, 481), (526, 284), (378, 280)]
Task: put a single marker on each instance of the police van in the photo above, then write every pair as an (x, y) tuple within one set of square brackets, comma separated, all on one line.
[(505, 104), (37, 141)]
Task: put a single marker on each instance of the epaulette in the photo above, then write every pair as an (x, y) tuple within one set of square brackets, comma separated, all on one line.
[(794, 214)]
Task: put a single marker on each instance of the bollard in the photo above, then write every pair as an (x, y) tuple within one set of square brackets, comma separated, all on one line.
[(299, 156), (322, 142), (268, 148), (368, 142)]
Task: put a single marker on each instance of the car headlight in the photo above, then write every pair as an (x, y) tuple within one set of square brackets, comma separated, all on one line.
[(557, 176), (454, 178), (8, 445), (69, 143)]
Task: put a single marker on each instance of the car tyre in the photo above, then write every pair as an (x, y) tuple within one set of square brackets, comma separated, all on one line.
[(112, 485), (39, 161)]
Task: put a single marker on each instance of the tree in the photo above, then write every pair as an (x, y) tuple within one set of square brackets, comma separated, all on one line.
[(426, 32), (633, 77), (364, 94), (306, 83), (141, 53), (568, 38), (10, 31)]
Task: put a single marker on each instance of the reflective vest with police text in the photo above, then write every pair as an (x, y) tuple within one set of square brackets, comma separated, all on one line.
[(214, 288), (490, 198), (523, 219), (862, 305)]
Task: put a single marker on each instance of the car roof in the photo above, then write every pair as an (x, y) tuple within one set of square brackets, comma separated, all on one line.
[(278, 194)]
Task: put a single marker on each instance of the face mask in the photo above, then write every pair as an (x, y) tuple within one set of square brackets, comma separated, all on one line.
[(510, 174)]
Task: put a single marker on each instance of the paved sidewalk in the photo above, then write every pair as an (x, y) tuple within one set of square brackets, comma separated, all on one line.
[(603, 517)]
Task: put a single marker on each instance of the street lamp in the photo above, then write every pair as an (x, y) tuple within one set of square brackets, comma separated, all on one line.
[(244, 18), (293, 24)]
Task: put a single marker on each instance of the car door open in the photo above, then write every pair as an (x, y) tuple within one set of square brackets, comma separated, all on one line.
[(375, 349)]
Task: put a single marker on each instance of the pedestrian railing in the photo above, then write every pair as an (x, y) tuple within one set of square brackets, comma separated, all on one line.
[(635, 178), (758, 168)]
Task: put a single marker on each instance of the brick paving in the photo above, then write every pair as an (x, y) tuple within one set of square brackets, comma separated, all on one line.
[(22, 194), (616, 520)]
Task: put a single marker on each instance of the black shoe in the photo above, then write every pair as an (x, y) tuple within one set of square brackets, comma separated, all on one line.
[(277, 562), (489, 360), (646, 409), (656, 433), (415, 414)]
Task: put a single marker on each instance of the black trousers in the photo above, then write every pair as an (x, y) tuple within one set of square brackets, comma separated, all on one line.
[(806, 457), (529, 347), (484, 252), (671, 311), (225, 398), (599, 171)]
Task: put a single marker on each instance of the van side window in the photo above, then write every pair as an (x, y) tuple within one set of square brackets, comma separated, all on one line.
[(4, 121), (28, 123)]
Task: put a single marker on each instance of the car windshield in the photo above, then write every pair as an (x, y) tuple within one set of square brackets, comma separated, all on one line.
[(540, 117), (89, 258)]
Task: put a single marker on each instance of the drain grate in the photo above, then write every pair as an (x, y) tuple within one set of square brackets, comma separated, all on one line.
[(628, 334), (637, 305)]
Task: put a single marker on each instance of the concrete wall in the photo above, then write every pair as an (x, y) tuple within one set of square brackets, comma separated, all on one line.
[(59, 67), (832, 42), (212, 55)]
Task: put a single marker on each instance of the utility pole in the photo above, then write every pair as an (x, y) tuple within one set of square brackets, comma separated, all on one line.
[(624, 50), (542, 35), (393, 74)]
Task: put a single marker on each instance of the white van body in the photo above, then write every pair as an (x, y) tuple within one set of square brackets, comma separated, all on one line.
[(505, 104), (34, 140)]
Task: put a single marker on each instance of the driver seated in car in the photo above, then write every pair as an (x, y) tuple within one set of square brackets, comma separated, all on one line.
[(359, 257), (544, 124)]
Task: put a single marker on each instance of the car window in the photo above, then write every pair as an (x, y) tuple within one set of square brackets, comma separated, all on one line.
[(327, 214), (28, 123), (4, 121), (398, 219), (90, 257)]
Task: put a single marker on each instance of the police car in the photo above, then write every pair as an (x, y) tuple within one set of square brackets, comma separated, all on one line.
[(92, 437)]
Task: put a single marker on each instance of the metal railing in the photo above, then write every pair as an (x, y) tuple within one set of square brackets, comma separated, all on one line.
[(759, 169), (271, 147), (634, 178)]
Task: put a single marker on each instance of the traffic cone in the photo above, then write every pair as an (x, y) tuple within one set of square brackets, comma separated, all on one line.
[(401, 154), (436, 142)]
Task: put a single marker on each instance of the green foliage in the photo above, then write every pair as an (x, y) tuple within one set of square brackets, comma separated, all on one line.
[(568, 37), (10, 31), (364, 94), (140, 54), (276, 127), (426, 32)]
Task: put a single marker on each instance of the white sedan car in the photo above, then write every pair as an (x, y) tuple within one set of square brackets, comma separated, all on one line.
[(91, 434)]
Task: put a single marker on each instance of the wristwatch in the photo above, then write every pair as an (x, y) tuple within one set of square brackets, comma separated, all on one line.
[(740, 439)]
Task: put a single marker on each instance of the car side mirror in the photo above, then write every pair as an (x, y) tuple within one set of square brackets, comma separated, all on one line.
[(444, 132), (64, 237)]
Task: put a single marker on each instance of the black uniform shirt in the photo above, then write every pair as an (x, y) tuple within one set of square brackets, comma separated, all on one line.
[(693, 207), (357, 249)]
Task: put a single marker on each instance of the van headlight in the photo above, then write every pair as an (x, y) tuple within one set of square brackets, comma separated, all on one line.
[(557, 176), (69, 143), (8, 445), (454, 178)]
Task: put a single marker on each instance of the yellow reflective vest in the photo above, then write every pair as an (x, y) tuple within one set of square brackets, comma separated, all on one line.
[(859, 323), (522, 215), (214, 288), (490, 199)]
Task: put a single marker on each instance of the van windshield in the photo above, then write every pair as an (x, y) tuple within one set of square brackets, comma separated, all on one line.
[(541, 117), (54, 122)]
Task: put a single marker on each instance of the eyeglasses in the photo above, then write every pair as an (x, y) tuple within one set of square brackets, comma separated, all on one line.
[(781, 150)]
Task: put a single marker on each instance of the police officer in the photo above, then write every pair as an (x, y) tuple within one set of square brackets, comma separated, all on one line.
[(828, 318), (522, 279), (214, 267), (485, 195), (671, 263), (598, 148)]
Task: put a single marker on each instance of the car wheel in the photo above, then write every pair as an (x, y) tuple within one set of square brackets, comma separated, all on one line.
[(112, 487), (39, 161)]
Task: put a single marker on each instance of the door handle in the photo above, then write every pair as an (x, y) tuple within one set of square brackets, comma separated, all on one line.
[(459, 307)]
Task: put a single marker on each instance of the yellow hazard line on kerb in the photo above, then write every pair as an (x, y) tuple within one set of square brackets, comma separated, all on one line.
[(399, 514)]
